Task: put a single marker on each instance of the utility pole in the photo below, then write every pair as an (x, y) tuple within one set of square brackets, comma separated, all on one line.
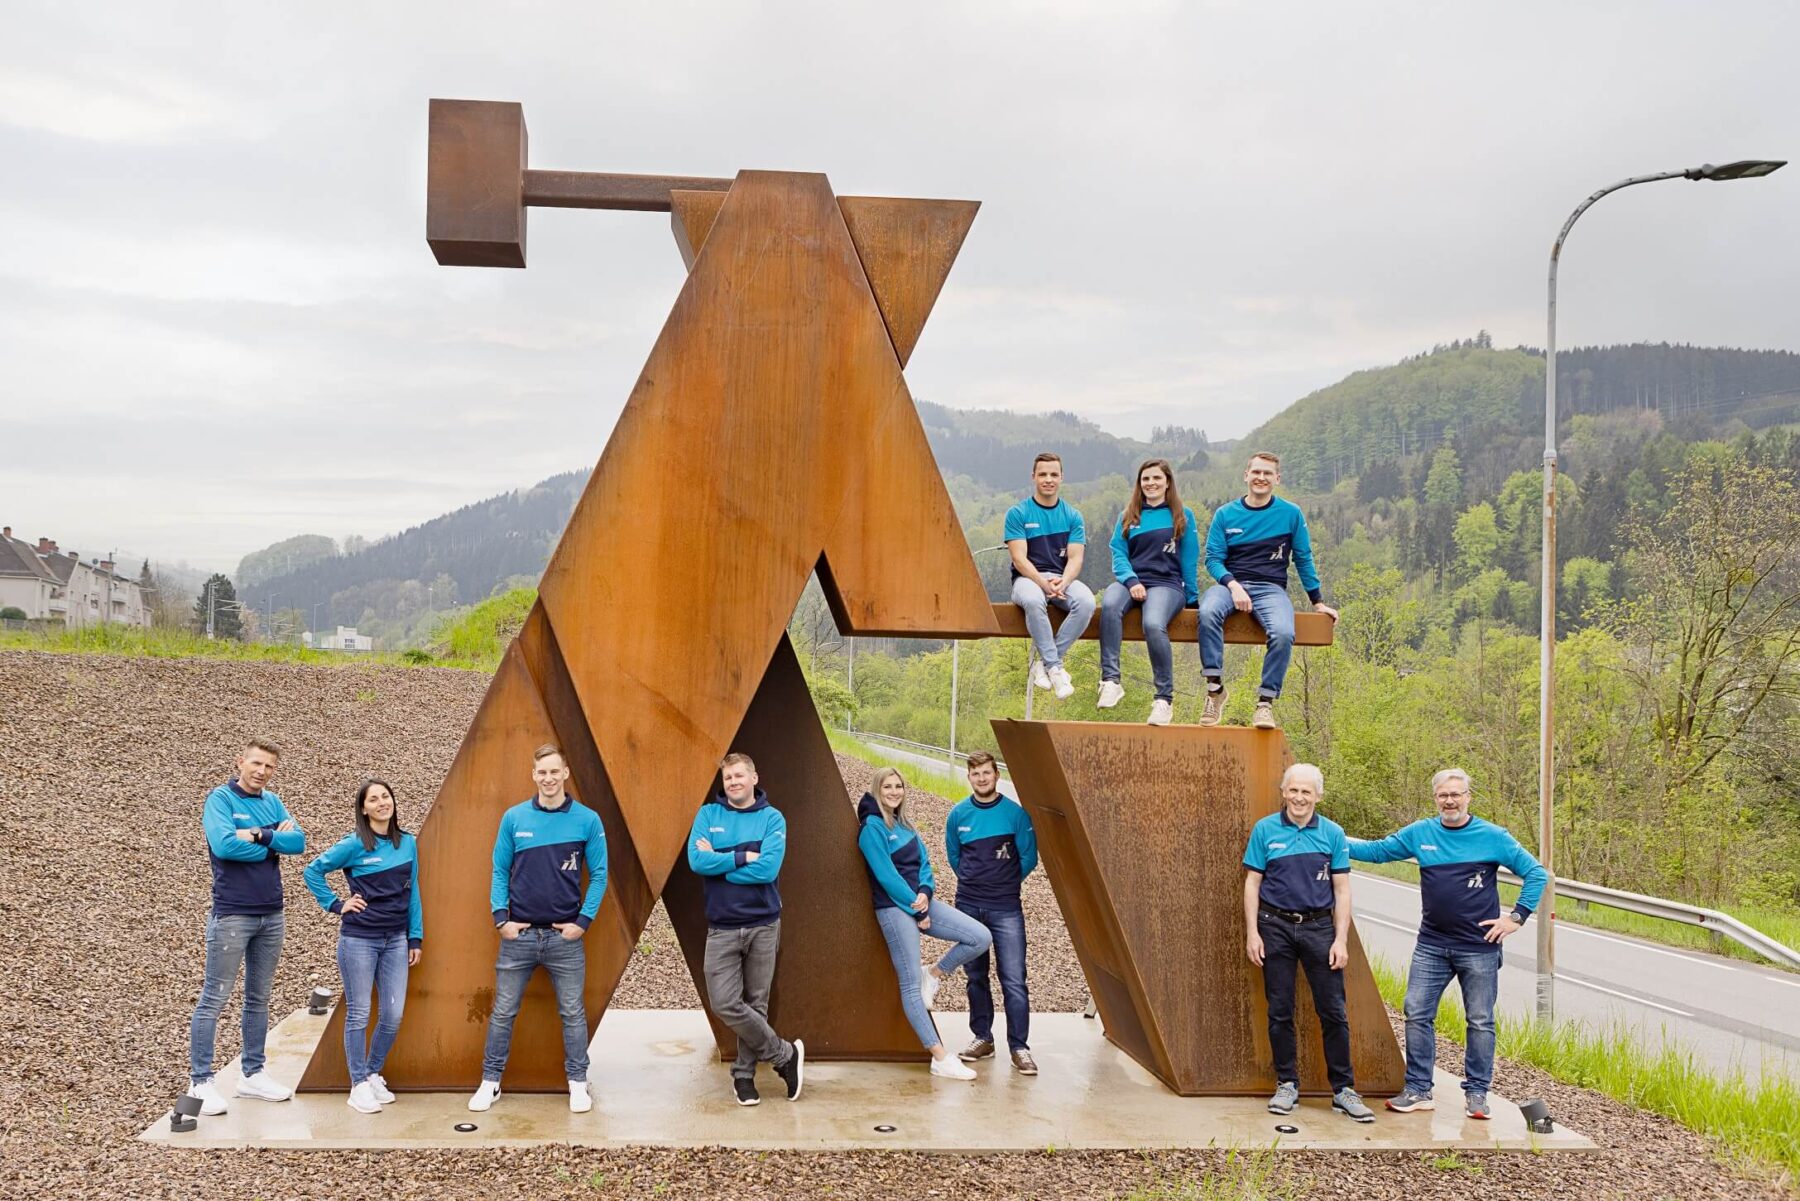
[(209, 608)]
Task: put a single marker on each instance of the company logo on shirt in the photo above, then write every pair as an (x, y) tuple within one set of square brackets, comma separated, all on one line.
[(1278, 846), (370, 859), (715, 829), (1427, 846), (572, 863), (1004, 851), (1277, 554), (1234, 531), (1031, 525), (1324, 873), (1476, 879), (964, 829), (243, 817), (525, 834), (1169, 547)]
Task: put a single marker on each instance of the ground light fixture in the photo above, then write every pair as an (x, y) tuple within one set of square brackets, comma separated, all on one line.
[(1537, 1115), (1287, 1128), (464, 1127), (187, 1108), (319, 1002)]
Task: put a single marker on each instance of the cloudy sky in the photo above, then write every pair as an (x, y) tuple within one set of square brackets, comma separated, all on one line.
[(220, 324)]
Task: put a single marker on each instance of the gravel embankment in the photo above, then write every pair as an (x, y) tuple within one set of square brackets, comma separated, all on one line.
[(104, 890)]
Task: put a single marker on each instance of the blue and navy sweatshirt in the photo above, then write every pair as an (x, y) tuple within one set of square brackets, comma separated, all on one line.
[(739, 894), (538, 857), (1047, 533), (1253, 546), (899, 869), (1297, 862), (387, 877), (1150, 554), (992, 847), (247, 875), (1458, 888)]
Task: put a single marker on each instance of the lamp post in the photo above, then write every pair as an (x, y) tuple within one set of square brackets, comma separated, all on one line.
[(956, 666), (1546, 931)]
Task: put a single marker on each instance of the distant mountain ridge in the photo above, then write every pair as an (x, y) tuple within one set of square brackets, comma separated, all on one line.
[(1487, 402)]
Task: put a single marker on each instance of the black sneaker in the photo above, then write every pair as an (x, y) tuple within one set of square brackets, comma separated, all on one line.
[(746, 1091), (794, 1070)]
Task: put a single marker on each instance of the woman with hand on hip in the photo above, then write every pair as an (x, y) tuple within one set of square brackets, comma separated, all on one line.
[(380, 935), (900, 881)]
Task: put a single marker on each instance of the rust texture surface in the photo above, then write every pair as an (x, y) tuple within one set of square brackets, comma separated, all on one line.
[(1142, 831)]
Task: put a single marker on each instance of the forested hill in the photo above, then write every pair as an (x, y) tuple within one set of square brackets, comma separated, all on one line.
[(1490, 405)]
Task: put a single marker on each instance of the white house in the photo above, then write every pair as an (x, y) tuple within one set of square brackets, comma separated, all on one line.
[(346, 639), (51, 584)]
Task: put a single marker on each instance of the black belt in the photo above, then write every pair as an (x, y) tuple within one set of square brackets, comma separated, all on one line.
[(1296, 916)]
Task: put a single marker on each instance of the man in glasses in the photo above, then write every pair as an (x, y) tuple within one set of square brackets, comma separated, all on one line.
[(1461, 928)]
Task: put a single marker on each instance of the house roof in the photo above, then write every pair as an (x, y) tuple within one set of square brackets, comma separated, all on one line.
[(20, 559)]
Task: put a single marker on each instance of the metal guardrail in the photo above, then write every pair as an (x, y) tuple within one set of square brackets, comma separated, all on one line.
[(1711, 920), (941, 752), (1722, 924)]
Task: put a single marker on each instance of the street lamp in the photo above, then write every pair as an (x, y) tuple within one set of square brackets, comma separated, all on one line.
[(955, 666), (1546, 932)]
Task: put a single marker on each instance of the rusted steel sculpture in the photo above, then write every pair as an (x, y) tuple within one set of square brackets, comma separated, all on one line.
[(1142, 831), (770, 435)]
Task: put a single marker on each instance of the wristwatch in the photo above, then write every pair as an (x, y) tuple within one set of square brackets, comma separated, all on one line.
[(1519, 917)]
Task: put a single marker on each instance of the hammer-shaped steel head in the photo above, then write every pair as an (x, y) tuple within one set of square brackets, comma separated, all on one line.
[(475, 184)]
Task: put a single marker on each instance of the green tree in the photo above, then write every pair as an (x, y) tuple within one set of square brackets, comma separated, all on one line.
[(1477, 538), (220, 597)]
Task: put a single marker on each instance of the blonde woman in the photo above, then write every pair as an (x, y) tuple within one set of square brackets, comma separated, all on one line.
[(900, 882)]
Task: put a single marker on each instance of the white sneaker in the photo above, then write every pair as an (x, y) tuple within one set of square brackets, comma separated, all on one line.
[(485, 1096), (363, 1099), (1265, 715), (383, 1093), (580, 1100), (212, 1104), (261, 1087), (1161, 713), (1040, 676), (1060, 681), (1111, 693), (952, 1068), (928, 988)]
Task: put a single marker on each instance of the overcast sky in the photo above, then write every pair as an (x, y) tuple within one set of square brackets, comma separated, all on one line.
[(220, 324)]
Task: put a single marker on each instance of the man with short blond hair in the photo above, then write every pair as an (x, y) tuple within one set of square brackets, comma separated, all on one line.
[(1047, 538), (247, 831)]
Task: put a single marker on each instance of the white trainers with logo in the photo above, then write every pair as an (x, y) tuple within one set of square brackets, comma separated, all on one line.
[(1111, 693), (382, 1092), (952, 1068), (485, 1096), (212, 1103), (1060, 681), (362, 1099), (1040, 675), (580, 1100), (1161, 713), (262, 1088)]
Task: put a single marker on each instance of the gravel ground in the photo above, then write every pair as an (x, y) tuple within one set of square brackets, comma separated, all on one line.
[(104, 887)]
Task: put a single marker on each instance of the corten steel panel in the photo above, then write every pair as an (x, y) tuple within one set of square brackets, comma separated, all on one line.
[(691, 215), (742, 455), (1310, 629), (1142, 831), (907, 247), (834, 983), (475, 184), (451, 991)]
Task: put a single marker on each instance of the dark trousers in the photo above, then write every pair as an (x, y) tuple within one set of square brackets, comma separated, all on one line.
[(1309, 945), (1007, 925)]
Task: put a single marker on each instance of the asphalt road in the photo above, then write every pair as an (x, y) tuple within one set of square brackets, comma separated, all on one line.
[(1730, 1013)]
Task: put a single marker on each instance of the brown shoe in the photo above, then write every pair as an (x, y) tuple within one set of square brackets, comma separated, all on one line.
[(1265, 716), (980, 1048), (1215, 708), (1024, 1064)]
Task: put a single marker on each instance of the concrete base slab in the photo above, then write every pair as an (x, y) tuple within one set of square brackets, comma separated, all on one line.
[(657, 1083)]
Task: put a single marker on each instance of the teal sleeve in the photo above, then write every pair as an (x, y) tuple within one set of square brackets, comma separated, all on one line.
[(1256, 856), (1394, 847), (287, 842), (1215, 549), (1303, 559), (953, 844), (415, 911), (500, 892), (596, 864), (873, 845), (221, 833), (769, 856), (1340, 853), (1025, 838), (334, 859), (706, 863), (1015, 526), (1121, 555), (1190, 557), (1523, 864), (1077, 528)]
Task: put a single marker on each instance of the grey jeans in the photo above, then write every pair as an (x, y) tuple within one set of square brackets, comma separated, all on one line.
[(740, 965)]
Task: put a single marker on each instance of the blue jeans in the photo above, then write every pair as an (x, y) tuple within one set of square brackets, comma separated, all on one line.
[(371, 965), (902, 934), (566, 961), (1274, 612), (1432, 970), (252, 940), (1008, 928), (1077, 602), (1160, 604)]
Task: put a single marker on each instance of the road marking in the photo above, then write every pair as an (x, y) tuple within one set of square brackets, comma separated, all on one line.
[(1636, 1000), (1382, 921)]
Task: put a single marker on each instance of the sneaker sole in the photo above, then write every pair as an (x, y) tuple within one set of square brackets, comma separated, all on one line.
[(1479, 1117), (360, 1109), (1368, 1117), (967, 1058), (1025, 1071), (1410, 1108), (1281, 1112), (799, 1070), (746, 1103)]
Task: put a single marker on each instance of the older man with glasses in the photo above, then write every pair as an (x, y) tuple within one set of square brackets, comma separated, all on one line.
[(1461, 928)]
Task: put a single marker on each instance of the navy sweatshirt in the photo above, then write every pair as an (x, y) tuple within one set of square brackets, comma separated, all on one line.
[(538, 857), (1047, 533), (247, 875), (1458, 887), (992, 847), (739, 894), (899, 869), (1253, 546), (1150, 554), (386, 876)]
